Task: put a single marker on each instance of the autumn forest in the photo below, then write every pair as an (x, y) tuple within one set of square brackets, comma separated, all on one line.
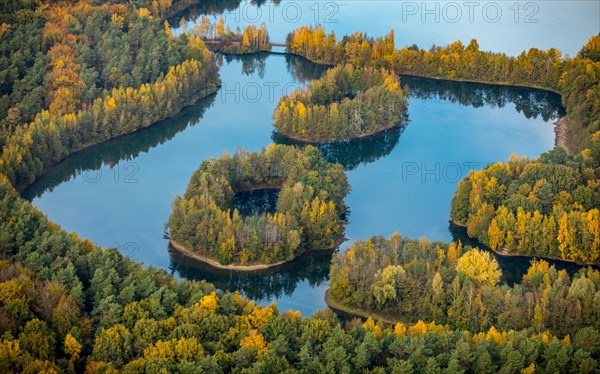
[(78, 74)]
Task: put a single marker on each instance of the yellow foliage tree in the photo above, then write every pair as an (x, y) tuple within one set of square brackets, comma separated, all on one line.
[(494, 336), (255, 341), (400, 329), (371, 326), (418, 329), (259, 316), (496, 236), (480, 266), (209, 303), (72, 347), (564, 237), (145, 13), (220, 27), (301, 109), (529, 369)]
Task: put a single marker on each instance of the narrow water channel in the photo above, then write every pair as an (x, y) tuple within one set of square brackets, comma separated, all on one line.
[(119, 193)]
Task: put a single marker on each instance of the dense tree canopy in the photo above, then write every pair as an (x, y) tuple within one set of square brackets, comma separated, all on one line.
[(544, 207), (63, 58), (90, 73), (347, 102), (409, 280), (591, 50), (455, 61), (68, 306), (308, 215), (480, 267), (22, 69), (50, 138), (77, 73), (576, 79)]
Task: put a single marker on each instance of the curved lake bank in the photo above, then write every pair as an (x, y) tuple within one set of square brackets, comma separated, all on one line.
[(296, 284), (119, 193), (211, 261), (291, 139), (349, 313), (513, 266), (185, 250)]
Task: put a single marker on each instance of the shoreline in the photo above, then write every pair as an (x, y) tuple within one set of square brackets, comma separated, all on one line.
[(215, 46), (533, 257), (523, 256), (323, 141), (23, 187), (183, 249), (561, 127), (308, 59), (347, 311), (209, 260), (504, 84), (269, 51), (417, 75)]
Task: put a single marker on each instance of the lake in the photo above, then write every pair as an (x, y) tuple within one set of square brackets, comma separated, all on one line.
[(499, 26), (119, 193)]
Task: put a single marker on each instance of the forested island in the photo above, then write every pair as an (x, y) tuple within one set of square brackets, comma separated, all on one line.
[(411, 281), (70, 306), (79, 73), (546, 207), (576, 79), (203, 223), (69, 96), (346, 103)]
